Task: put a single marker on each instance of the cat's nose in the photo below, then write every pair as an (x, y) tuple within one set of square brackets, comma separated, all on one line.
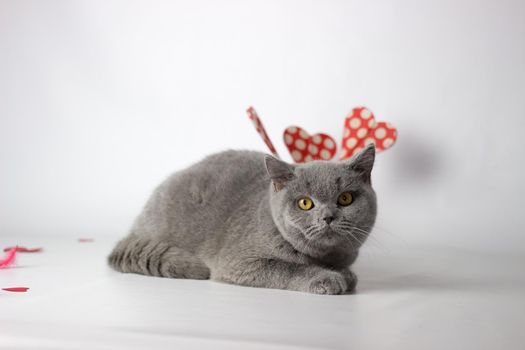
[(328, 219)]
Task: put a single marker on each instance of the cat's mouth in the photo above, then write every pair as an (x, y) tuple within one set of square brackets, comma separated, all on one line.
[(324, 235), (333, 235)]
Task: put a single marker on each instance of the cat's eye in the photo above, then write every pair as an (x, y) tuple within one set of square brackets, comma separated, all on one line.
[(345, 199), (305, 203)]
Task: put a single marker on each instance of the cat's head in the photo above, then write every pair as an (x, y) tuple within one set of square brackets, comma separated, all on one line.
[(323, 205)]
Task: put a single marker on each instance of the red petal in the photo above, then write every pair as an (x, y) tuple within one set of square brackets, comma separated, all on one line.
[(85, 240), (10, 259), (24, 249), (16, 289)]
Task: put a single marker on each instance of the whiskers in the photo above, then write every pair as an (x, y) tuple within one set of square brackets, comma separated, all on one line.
[(349, 233), (389, 235), (359, 234), (313, 232), (354, 235), (309, 231)]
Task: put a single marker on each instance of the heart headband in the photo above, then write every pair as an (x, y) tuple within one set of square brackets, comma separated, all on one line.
[(360, 129)]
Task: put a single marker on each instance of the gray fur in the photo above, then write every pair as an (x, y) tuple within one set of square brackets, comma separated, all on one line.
[(233, 217)]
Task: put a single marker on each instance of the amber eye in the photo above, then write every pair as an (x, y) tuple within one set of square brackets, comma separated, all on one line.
[(305, 203), (345, 199)]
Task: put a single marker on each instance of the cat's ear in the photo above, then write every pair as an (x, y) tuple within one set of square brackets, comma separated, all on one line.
[(363, 162), (280, 172)]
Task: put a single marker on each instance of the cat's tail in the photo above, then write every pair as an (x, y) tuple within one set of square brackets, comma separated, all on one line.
[(154, 257), (136, 254)]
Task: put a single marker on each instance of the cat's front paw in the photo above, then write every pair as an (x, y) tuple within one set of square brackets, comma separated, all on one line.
[(328, 282), (351, 280)]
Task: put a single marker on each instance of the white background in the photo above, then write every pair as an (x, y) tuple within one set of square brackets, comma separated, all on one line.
[(101, 100)]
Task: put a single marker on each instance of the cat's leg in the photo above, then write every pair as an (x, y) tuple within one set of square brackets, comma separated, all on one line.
[(147, 256), (273, 273)]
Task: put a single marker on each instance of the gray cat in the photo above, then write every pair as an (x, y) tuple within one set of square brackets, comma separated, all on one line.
[(247, 218)]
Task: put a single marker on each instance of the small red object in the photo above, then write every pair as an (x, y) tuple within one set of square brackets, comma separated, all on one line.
[(9, 260), (16, 289), (362, 129), (24, 249), (86, 240), (260, 129), (305, 148)]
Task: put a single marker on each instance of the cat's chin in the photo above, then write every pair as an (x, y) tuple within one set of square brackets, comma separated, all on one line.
[(327, 238), (318, 245)]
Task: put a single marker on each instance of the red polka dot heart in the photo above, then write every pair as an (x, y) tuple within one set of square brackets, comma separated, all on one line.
[(360, 129), (305, 148)]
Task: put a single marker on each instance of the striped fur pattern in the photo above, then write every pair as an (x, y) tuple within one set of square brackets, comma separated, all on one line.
[(147, 256)]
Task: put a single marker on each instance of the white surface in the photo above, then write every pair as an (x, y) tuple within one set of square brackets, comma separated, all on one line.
[(100, 100), (417, 298)]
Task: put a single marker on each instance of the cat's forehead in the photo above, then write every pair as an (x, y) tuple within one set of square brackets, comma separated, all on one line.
[(321, 169), (323, 178)]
